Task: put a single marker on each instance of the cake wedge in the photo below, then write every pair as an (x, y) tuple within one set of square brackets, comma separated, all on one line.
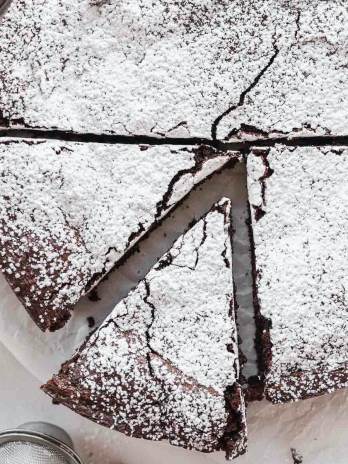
[(175, 68), (299, 204), (165, 364), (69, 212)]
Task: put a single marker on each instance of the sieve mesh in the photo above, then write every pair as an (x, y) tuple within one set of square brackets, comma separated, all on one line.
[(19, 452)]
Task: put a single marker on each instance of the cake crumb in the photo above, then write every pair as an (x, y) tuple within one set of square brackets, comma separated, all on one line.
[(94, 296), (91, 322), (297, 458)]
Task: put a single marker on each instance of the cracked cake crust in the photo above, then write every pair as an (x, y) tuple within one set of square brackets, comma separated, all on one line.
[(69, 212), (176, 68), (300, 268), (165, 364)]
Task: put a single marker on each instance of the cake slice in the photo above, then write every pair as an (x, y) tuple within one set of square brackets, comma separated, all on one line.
[(69, 212), (299, 204), (175, 68), (165, 364)]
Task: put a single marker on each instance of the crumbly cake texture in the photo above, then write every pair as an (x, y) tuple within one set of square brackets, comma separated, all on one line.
[(69, 212), (165, 364), (176, 67), (299, 201)]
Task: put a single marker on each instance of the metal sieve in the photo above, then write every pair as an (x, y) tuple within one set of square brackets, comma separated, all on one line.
[(4, 4), (37, 443)]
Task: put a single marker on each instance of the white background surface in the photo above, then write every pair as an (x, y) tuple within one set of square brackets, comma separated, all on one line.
[(317, 429)]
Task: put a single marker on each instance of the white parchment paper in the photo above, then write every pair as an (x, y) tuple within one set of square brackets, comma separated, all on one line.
[(316, 430)]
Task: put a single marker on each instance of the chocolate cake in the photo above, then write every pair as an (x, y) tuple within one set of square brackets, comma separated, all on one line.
[(299, 203), (69, 212), (165, 364), (175, 67)]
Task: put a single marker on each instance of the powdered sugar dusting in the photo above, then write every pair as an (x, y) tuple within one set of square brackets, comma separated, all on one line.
[(303, 91), (163, 363), (172, 67), (70, 211), (301, 263)]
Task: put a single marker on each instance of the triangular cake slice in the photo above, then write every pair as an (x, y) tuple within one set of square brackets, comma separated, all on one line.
[(69, 212), (165, 364)]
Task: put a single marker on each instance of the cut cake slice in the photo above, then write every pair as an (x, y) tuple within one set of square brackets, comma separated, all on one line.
[(299, 204), (165, 364), (175, 68), (69, 212)]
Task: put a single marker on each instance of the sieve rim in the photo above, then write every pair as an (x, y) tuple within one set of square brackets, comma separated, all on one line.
[(9, 436)]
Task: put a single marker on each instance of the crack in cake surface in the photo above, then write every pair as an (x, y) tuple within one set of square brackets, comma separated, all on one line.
[(243, 96)]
